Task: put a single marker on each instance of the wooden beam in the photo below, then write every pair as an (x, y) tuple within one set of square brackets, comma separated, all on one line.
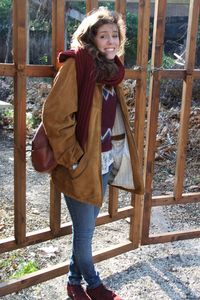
[(46, 234), (90, 5), (171, 237), (58, 44), (55, 209), (19, 52), (132, 74), (178, 74), (154, 95), (7, 70), (113, 201), (40, 71), (186, 97), (58, 29), (170, 200), (142, 61), (181, 2), (172, 74), (50, 71), (120, 7), (196, 74), (140, 110)]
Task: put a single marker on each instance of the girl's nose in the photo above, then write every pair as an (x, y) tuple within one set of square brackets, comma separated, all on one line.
[(110, 39)]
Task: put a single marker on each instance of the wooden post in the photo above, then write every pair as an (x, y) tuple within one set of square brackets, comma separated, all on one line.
[(19, 52), (157, 54), (140, 110), (58, 29), (91, 4), (58, 24), (113, 201), (55, 209), (120, 6), (186, 97)]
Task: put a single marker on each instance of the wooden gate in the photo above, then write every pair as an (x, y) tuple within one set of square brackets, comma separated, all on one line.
[(139, 211)]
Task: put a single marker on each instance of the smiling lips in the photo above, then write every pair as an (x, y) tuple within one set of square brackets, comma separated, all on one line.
[(109, 49)]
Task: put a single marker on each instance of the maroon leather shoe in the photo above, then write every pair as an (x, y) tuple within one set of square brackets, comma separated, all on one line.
[(102, 293), (77, 292)]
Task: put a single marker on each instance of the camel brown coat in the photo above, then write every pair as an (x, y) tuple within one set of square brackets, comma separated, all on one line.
[(84, 183)]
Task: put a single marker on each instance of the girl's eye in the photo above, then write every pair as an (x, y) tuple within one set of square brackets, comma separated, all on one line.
[(105, 36)]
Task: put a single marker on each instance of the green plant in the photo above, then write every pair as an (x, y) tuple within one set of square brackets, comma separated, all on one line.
[(72, 25), (108, 4), (4, 263), (168, 61), (10, 263), (5, 8), (31, 120), (5, 16), (25, 268), (6, 117), (44, 59), (9, 113), (131, 43)]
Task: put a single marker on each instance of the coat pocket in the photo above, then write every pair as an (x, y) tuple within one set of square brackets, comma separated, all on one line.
[(80, 167)]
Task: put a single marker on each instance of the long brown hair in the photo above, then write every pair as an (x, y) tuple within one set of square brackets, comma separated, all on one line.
[(84, 37)]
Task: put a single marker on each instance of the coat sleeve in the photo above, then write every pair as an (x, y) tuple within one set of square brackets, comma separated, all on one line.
[(58, 116)]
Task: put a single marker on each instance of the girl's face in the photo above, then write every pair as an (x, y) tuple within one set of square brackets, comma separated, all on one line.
[(107, 40)]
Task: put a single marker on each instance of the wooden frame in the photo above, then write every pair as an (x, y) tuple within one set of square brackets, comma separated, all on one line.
[(140, 210), (157, 73)]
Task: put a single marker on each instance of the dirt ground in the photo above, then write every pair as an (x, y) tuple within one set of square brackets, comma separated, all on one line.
[(152, 272), (163, 271)]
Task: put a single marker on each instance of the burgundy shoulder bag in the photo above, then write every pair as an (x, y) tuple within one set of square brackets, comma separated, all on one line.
[(41, 152)]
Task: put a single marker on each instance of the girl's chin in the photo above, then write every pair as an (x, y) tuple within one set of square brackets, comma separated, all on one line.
[(111, 57)]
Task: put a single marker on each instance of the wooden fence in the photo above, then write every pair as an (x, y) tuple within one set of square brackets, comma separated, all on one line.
[(140, 209)]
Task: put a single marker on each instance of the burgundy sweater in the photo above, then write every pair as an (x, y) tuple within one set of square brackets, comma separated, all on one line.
[(108, 117)]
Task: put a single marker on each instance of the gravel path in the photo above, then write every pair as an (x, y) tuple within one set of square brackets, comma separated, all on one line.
[(154, 272), (169, 271)]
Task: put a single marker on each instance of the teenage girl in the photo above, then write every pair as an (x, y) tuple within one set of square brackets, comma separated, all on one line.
[(86, 120)]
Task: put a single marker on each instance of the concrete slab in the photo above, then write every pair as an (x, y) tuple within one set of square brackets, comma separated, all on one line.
[(4, 105)]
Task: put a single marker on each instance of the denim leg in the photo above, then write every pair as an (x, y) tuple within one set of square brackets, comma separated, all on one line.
[(83, 219)]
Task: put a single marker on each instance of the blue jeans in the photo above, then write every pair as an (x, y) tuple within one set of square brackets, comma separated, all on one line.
[(83, 224)]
